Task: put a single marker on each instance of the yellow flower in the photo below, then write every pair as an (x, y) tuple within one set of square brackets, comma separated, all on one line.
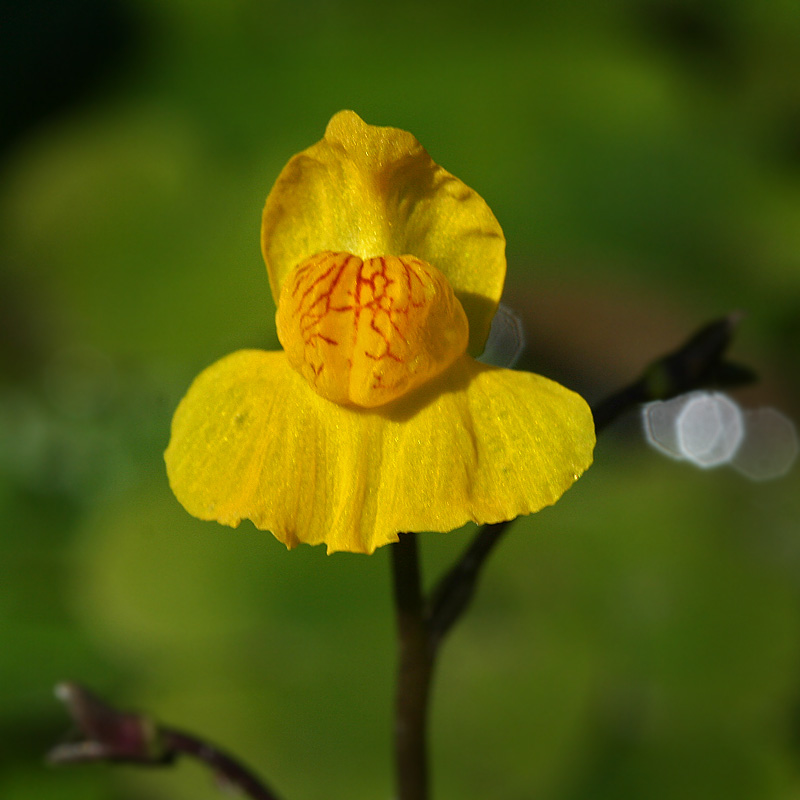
[(375, 419)]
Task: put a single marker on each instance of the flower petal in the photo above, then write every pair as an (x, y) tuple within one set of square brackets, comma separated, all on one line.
[(252, 440), (375, 191)]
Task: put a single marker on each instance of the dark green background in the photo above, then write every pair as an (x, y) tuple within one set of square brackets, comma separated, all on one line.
[(639, 640)]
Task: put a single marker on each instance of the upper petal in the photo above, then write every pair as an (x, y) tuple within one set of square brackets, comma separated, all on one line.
[(252, 440), (375, 191)]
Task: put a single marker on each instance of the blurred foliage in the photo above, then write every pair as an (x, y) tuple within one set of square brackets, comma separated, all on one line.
[(642, 638)]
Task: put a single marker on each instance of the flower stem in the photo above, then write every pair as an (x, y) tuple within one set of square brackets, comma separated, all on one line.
[(415, 670)]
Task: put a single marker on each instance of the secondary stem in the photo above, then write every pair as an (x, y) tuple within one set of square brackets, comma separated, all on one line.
[(699, 362), (415, 669), (455, 590)]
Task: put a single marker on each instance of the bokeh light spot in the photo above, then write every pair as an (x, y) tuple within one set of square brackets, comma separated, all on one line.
[(710, 429), (770, 446), (506, 339), (705, 428), (659, 425)]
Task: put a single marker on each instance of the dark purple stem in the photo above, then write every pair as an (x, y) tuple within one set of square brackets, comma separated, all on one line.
[(414, 673)]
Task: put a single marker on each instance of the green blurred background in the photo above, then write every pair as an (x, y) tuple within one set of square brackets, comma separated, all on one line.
[(639, 640)]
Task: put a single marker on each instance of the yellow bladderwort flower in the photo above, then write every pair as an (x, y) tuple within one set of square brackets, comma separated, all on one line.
[(375, 419)]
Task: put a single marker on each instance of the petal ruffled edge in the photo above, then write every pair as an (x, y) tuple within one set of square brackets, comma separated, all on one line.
[(252, 440), (374, 191), (497, 444)]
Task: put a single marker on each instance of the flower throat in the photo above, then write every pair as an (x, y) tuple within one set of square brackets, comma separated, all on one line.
[(366, 331)]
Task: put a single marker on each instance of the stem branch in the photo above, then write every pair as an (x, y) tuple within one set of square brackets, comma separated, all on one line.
[(699, 362)]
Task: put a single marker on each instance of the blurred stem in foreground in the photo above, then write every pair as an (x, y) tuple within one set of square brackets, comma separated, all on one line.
[(422, 622), (107, 734)]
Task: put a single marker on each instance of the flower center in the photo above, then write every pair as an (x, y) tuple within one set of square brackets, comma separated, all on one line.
[(365, 332)]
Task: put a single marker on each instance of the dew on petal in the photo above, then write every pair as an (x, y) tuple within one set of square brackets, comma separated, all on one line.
[(770, 445)]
